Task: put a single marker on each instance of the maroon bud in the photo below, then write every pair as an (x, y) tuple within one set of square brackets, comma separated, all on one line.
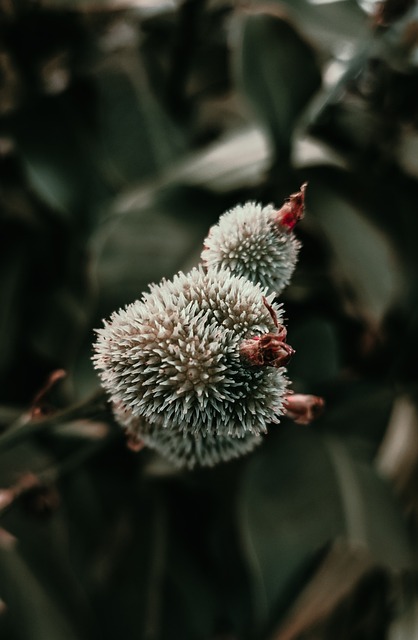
[(267, 350), (39, 408), (293, 209), (134, 443), (303, 408)]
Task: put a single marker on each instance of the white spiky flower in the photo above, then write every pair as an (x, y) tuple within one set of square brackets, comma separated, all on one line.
[(257, 242), (174, 357), (182, 448), (195, 368)]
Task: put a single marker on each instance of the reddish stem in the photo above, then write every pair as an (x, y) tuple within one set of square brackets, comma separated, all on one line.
[(38, 409), (266, 350)]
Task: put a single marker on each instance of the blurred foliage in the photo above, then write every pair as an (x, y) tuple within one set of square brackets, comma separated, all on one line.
[(126, 129)]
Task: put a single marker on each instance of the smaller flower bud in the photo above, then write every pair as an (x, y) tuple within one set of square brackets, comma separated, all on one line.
[(134, 442), (253, 241), (267, 350), (293, 209), (303, 408)]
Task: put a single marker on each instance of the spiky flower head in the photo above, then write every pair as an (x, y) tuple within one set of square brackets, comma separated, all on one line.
[(257, 242), (195, 368), (182, 448), (174, 357)]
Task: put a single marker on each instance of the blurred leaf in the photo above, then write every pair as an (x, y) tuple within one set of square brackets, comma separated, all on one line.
[(405, 622), (138, 249), (408, 152), (297, 474), (358, 411), (59, 156), (152, 234), (11, 276), (373, 518), (397, 457), (190, 603), (57, 334), (237, 160), (364, 259), (37, 582), (83, 429), (277, 90), (35, 615), (331, 24), (138, 138), (145, 7), (337, 577), (317, 358), (289, 479)]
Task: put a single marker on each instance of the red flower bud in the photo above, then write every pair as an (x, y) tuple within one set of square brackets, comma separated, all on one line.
[(293, 209), (267, 350), (303, 408)]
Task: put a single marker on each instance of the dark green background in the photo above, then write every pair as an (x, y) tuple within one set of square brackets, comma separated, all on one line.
[(125, 131)]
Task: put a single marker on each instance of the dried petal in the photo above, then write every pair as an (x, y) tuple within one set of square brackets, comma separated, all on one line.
[(293, 210), (303, 408), (267, 350)]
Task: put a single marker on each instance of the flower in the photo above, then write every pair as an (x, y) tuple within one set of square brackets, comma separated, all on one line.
[(174, 357), (182, 448), (257, 242), (195, 368)]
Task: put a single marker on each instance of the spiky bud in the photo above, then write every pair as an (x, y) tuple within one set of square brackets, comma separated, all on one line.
[(174, 357), (182, 448), (257, 242)]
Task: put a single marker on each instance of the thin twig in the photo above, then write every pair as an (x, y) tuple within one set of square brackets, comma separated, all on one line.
[(31, 481), (26, 428)]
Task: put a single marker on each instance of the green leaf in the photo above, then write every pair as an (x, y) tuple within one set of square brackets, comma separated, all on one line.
[(62, 164), (317, 357), (331, 24), (365, 262), (33, 613), (346, 594), (157, 233), (301, 492), (38, 585), (137, 136), (277, 72), (11, 276)]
